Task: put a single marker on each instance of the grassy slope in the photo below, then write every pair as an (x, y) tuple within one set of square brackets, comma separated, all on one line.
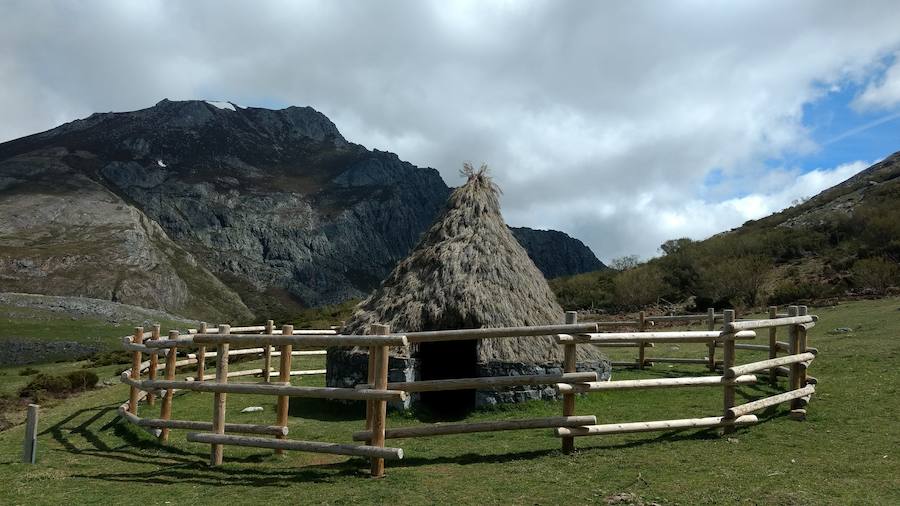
[(45, 325), (37, 324), (845, 453)]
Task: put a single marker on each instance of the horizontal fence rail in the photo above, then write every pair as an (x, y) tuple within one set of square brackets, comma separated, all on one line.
[(497, 333), (445, 429), (488, 382), (701, 381), (684, 423), (305, 446), (313, 341), (698, 336), (762, 324)]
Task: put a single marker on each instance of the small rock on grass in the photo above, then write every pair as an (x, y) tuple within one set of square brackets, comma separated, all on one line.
[(629, 499)]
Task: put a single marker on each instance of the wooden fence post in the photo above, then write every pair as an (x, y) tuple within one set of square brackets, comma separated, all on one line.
[(379, 408), (801, 348), (804, 344), (166, 411), (135, 370), (773, 346), (570, 364), (154, 363), (370, 380), (29, 447), (218, 423), (711, 325), (267, 352), (728, 361), (201, 355), (642, 325), (794, 341), (284, 378)]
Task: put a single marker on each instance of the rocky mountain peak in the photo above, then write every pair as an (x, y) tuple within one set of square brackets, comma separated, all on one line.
[(255, 207)]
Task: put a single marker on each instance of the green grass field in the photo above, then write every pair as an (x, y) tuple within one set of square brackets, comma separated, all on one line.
[(845, 453)]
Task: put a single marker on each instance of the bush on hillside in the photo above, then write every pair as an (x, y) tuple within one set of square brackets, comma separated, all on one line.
[(28, 371), (680, 273), (876, 274), (793, 292), (639, 287), (591, 290), (58, 385), (109, 358), (624, 263), (82, 380), (735, 282)]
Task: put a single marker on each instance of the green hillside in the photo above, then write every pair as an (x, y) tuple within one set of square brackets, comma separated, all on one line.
[(843, 242)]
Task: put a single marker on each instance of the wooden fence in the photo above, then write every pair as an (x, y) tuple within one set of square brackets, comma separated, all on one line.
[(286, 343)]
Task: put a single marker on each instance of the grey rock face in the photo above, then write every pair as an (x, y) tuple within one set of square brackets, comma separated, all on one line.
[(62, 233), (555, 253)]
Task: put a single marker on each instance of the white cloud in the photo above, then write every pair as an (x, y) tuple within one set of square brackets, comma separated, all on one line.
[(883, 93), (645, 225), (599, 119)]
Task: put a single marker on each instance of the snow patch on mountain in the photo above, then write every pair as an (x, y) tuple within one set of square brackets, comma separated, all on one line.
[(221, 105)]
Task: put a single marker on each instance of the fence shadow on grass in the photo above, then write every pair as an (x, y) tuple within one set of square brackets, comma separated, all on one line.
[(101, 429), (104, 436), (134, 442), (222, 476), (326, 410)]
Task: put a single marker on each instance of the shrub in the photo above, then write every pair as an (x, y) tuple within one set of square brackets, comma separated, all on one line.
[(735, 281), (639, 286), (876, 274), (82, 380), (591, 290), (109, 358), (59, 384), (46, 383), (792, 292), (28, 371), (624, 263)]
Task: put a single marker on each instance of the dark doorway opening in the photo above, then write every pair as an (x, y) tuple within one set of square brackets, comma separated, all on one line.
[(446, 360)]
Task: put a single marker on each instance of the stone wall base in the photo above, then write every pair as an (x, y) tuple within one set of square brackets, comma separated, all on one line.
[(346, 369)]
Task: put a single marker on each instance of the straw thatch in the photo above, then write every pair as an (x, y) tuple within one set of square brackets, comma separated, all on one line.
[(468, 271)]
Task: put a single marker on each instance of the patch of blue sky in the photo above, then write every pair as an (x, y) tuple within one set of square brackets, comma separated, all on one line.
[(243, 100), (845, 134), (265, 102)]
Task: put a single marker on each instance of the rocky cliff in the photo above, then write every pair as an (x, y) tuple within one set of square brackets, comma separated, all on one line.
[(555, 253), (210, 209)]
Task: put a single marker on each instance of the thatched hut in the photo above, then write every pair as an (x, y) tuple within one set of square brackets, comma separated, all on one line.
[(468, 271)]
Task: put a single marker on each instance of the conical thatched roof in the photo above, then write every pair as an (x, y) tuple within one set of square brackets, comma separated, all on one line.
[(468, 271)]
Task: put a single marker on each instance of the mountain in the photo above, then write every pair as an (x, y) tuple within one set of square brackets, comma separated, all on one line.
[(872, 187), (555, 253), (212, 210)]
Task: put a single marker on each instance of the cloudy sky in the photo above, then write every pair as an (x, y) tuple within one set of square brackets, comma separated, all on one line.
[(623, 124)]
